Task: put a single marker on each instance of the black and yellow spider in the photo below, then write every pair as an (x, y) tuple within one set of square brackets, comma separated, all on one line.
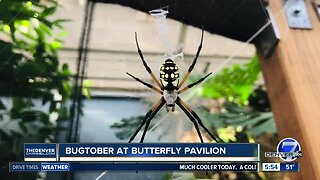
[(170, 89)]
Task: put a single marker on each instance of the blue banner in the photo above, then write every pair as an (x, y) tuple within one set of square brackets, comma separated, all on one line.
[(55, 167), (187, 152), (23, 167), (289, 167), (40, 152), (191, 167)]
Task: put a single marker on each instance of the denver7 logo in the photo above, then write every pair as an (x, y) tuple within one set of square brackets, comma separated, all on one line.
[(289, 149)]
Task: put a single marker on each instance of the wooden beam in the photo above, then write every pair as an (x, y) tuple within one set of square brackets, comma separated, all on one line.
[(231, 18), (292, 77)]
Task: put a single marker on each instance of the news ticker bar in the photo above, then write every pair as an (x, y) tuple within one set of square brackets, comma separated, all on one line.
[(214, 167), (295, 167), (74, 166), (146, 152)]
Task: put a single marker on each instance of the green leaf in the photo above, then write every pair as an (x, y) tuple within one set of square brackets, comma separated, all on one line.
[(2, 106), (266, 126), (234, 84), (49, 11), (59, 22), (23, 127), (18, 104), (63, 34)]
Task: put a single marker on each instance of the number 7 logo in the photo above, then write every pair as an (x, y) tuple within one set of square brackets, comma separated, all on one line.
[(288, 145)]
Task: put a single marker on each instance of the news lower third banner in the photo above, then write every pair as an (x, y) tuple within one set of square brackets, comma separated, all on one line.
[(98, 166), (146, 152)]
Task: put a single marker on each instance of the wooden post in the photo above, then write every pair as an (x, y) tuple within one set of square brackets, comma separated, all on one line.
[(292, 77)]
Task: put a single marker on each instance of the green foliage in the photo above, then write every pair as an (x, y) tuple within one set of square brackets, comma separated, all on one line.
[(30, 74), (244, 122), (246, 112), (129, 125), (234, 84)]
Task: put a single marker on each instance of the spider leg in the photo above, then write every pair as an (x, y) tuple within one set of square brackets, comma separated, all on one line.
[(191, 118), (167, 108), (155, 111), (146, 65), (193, 84), (193, 63), (183, 104), (146, 84), (154, 107)]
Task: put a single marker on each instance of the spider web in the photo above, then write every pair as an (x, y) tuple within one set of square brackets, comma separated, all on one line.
[(219, 67), (170, 53)]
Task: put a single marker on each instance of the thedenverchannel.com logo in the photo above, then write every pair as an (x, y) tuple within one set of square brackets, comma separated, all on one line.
[(288, 150), (40, 150)]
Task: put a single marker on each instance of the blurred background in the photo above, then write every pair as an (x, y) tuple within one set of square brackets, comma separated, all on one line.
[(39, 48)]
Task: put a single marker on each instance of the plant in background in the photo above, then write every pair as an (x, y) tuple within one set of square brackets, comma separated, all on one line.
[(245, 106), (245, 114), (127, 126), (234, 84), (33, 87)]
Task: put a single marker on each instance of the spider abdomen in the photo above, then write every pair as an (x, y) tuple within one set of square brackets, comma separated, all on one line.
[(169, 75), (170, 97)]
